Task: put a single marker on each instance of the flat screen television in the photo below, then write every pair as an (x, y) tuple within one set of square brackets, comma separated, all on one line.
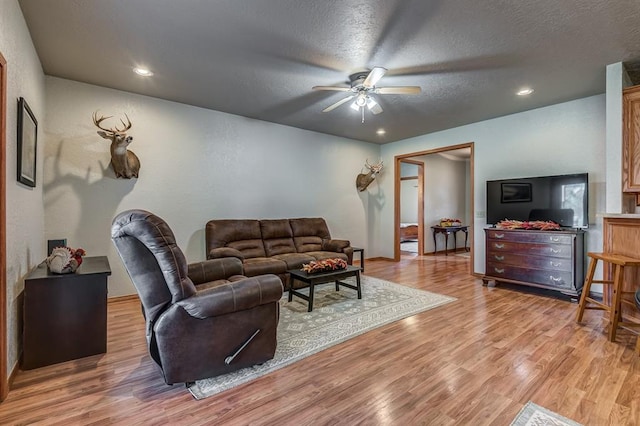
[(563, 199)]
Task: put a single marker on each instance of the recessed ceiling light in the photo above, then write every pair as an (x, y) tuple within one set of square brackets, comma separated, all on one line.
[(381, 132), (524, 92), (143, 72)]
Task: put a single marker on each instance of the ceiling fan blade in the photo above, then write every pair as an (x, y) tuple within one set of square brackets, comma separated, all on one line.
[(398, 90), (336, 88), (337, 104), (374, 75)]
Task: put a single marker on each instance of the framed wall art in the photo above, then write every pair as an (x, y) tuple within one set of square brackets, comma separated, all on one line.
[(27, 144)]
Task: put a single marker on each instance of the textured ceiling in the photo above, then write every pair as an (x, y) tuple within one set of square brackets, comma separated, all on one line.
[(259, 59)]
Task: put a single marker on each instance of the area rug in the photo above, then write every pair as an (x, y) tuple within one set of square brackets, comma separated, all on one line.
[(409, 246), (337, 316), (535, 415)]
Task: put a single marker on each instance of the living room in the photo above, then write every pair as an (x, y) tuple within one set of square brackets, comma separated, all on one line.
[(198, 164)]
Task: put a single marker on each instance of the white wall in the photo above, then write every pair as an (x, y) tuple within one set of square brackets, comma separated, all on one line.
[(196, 165), (559, 139), (25, 213), (409, 201)]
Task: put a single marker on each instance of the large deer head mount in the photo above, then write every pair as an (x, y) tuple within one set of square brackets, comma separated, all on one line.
[(363, 180), (124, 163)]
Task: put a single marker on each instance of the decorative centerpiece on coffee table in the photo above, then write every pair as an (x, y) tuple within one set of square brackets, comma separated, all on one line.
[(325, 265)]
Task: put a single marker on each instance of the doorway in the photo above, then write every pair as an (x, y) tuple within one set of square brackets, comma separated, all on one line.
[(411, 206), (447, 152), (4, 383)]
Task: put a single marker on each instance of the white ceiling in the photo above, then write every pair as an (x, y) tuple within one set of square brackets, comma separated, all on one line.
[(259, 59)]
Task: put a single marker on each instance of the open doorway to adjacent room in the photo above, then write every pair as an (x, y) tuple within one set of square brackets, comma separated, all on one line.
[(442, 183)]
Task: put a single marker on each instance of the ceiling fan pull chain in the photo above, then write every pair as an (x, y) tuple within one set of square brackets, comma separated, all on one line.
[(362, 109)]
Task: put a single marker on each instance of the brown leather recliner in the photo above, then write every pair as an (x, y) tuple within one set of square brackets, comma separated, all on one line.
[(203, 319)]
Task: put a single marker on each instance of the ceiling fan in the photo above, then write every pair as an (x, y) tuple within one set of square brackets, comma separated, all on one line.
[(363, 85)]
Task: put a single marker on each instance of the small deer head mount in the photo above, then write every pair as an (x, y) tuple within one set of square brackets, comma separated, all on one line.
[(123, 162), (363, 180)]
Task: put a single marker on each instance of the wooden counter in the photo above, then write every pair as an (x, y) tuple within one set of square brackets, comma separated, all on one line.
[(621, 235)]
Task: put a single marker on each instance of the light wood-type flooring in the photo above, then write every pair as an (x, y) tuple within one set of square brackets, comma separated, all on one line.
[(475, 361)]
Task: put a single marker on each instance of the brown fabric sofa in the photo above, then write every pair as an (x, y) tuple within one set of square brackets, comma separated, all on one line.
[(273, 246)]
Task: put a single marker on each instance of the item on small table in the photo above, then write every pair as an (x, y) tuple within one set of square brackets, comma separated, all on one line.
[(450, 222), (64, 260), (531, 224), (325, 265)]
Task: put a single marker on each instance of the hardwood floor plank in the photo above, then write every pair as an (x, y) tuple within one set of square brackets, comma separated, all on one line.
[(475, 361)]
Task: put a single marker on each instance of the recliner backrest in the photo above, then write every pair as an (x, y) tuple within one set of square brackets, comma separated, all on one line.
[(277, 236), (156, 265)]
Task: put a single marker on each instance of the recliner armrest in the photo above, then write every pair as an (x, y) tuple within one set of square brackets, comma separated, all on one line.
[(337, 246), (214, 269), (233, 297), (220, 252)]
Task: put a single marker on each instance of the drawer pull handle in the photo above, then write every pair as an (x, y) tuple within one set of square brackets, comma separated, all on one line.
[(555, 280), (555, 251), (555, 265), (554, 239), (498, 246), (496, 257), (499, 270), (499, 235)]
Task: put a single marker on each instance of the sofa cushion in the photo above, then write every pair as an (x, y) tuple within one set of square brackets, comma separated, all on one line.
[(321, 255), (308, 233), (294, 260), (243, 235), (277, 236), (264, 265)]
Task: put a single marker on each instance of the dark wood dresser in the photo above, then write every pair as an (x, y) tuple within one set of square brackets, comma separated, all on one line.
[(65, 315), (552, 260)]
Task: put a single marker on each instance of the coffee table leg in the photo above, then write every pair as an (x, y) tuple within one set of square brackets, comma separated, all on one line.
[(310, 308), (337, 285), (358, 284), (290, 297)]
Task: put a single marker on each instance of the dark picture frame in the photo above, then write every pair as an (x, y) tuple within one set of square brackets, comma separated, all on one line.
[(27, 144), (516, 192)]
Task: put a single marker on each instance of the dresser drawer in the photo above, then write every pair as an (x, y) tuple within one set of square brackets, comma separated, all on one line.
[(530, 237), (557, 279), (551, 250), (536, 262)]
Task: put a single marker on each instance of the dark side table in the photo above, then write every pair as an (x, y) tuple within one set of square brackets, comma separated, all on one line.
[(448, 230), (65, 315)]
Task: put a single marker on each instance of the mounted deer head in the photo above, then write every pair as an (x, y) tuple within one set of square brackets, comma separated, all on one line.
[(363, 180), (123, 162)]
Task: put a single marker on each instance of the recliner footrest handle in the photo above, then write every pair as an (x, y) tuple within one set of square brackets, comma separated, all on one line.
[(228, 360)]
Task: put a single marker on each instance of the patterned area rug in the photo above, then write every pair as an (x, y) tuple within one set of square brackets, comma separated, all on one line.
[(337, 316), (535, 415)]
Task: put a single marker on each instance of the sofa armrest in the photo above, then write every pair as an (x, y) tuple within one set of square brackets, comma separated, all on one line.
[(219, 252), (234, 296), (214, 269), (337, 246)]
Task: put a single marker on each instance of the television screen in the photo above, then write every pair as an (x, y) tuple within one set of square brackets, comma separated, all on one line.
[(563, 199)]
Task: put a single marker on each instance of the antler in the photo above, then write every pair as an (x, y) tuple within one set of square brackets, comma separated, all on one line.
[(113, 130), (375, 167)]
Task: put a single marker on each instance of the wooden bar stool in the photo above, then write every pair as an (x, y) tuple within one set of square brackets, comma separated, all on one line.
[(619, 262)]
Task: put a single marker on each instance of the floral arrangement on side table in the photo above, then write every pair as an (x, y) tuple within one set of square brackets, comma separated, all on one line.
[(64, 260), (450, 222), (325, 265)]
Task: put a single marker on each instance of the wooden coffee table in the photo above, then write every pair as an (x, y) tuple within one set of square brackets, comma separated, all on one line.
[(322, 278)]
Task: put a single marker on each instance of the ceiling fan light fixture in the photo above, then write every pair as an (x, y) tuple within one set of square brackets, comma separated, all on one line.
[(361, 100), (381, 132), (371, 103), (355, 106)]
